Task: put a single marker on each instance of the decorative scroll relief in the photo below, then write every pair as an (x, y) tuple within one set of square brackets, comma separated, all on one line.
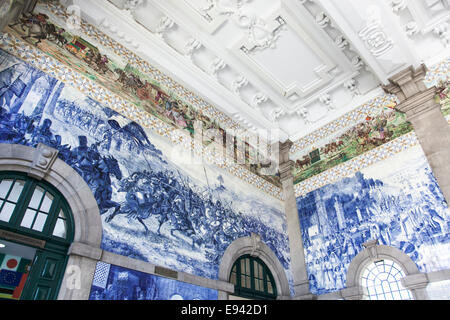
[(281, 38), (424, 17), (262, 35), (211, 14), (374, 36), (133, 4), (223, 7)]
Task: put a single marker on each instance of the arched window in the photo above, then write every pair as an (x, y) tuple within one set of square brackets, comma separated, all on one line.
[(38, 221), (252, 279), (381, 280), (35, 208)]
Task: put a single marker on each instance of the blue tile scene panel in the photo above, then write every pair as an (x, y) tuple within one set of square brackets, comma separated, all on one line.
[(116, 283), (396, 201), (154, 208)]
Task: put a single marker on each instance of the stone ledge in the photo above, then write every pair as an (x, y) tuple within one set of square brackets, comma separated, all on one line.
[(149, 268), (84, 250), (353, 293), (415, 281), (438, 276)]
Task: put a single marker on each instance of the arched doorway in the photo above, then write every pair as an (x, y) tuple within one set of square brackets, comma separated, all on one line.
[(252, 279), (36, 230), (258, 252)]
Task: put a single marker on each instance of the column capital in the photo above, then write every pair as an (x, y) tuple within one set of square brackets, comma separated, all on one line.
[(407, 83), (285, 148), (11, 10), (285, 164), (420, 103)]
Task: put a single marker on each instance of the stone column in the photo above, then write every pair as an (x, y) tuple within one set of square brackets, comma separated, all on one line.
[(10, 10), (298, 265), (430, 126), (80, 270)]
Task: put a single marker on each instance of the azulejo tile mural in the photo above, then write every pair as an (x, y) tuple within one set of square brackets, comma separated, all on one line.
[(110, 65), (151, 208), (116, 283), (396, 201), (91, 89)]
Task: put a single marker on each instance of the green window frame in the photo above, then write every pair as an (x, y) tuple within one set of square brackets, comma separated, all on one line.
[(252, 279), (34, 208)]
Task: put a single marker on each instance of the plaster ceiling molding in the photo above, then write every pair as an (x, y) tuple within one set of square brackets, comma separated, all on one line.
[(411, 28), (258, 99), (358, 62), (352, 86), (428, 14), (325, 99), (242, 119), (277, 113), (266, 110), (322, 20), (261, 35), (384, 50), (305, 115), (151, 18), (239, 83), (132, 5), (176, 37), (231, 79), (442, 31), (127, 4), (360, 69), (191, 46), (398, 5), (374, 35), (329, 27), (251, 95), (280, 37), (341, 42), (207, 61), (212, 14)]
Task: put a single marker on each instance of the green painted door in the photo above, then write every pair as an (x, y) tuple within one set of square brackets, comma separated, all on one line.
[(45, 276), (37, 210)]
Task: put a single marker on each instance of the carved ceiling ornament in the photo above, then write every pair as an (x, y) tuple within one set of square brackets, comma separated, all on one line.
[(227, 7), (398, 5), (259, 98), (133, 4), (373, 34), (260, 36)]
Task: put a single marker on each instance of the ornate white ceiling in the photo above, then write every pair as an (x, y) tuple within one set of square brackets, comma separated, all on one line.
[(293, 65)]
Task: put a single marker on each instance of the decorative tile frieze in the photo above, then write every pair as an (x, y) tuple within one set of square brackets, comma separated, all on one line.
[(357, 164), (90, 88), (165, 81), (437, 73), (372, 108)]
